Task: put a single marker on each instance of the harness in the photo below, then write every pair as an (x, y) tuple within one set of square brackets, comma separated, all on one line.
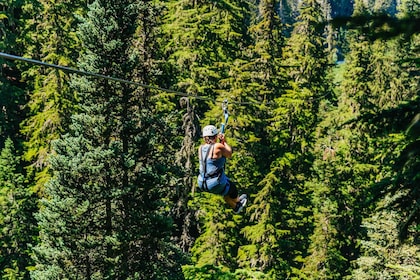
[(213, 174), (219, 170)]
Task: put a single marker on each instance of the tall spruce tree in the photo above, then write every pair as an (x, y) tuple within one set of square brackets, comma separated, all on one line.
[(104, 217), (258, 81), (393, 125), (183, 214), (50, 37), (11, 87), (281, 209), (399, 121), (372, 83), (343, 169), (204, 38), (256, 78), (17, 225), (334, 193)]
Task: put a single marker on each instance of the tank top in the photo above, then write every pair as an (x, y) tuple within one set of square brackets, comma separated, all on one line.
[(214, 168)]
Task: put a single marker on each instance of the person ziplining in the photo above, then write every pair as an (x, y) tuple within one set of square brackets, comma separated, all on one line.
[(212, 156)]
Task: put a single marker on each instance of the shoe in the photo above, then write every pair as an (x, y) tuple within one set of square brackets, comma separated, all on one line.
[(243, 198), (241, 204)]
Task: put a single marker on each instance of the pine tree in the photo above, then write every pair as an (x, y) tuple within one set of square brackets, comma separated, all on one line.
[(373, 83), (395, 122), (11, 88), (256, 79), (204, 38), (17, 226), (394, 104), (343, 174), (104, 216), (259, 77), (50, 37), (281, 209), (383, 255), (183, 214)]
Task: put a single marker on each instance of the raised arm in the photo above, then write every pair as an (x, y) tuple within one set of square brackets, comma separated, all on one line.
[(224, 147)]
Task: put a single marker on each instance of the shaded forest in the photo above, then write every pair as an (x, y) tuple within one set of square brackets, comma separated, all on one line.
[(98, 161)]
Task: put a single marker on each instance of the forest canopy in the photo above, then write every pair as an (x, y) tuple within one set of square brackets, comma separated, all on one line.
[(102, 109)]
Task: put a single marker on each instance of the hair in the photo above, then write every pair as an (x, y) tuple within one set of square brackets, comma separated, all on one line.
[(209, 139)]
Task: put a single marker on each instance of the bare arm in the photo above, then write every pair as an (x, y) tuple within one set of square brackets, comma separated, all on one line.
[(224, 147)]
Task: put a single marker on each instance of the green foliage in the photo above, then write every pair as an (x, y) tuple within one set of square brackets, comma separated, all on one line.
[(353, 160), (255, 80), (397, 95), (207, 272), (12, 98), (281, 210), (210, 272), (404, 182), (111, 166), (215, 245), (17, 226), (49, 36), (383, 256), (9, 24), (202, 39), (11, 87), (323, 155)]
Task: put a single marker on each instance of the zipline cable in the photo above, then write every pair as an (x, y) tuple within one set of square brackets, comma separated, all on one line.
[(86, 73), (225, 115)]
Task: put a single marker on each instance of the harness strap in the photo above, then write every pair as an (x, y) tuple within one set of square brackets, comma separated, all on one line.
[(204, 164)]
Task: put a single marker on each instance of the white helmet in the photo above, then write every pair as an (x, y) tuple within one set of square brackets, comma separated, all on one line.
[(210, 130)]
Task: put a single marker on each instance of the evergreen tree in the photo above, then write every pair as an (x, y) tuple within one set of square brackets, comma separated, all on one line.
[(395, 92), (383, 255), (256, 79), (281, 208), (50, 37), (395, 95), (338, 198), (183, 214), (204, 38), (104, 214), (260, 80), (373, 83), (11, 88), (343, 170), (16, 224), (12, 100), (400, 117)]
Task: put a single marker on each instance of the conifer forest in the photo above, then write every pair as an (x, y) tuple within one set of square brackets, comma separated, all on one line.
[(102, 106)]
